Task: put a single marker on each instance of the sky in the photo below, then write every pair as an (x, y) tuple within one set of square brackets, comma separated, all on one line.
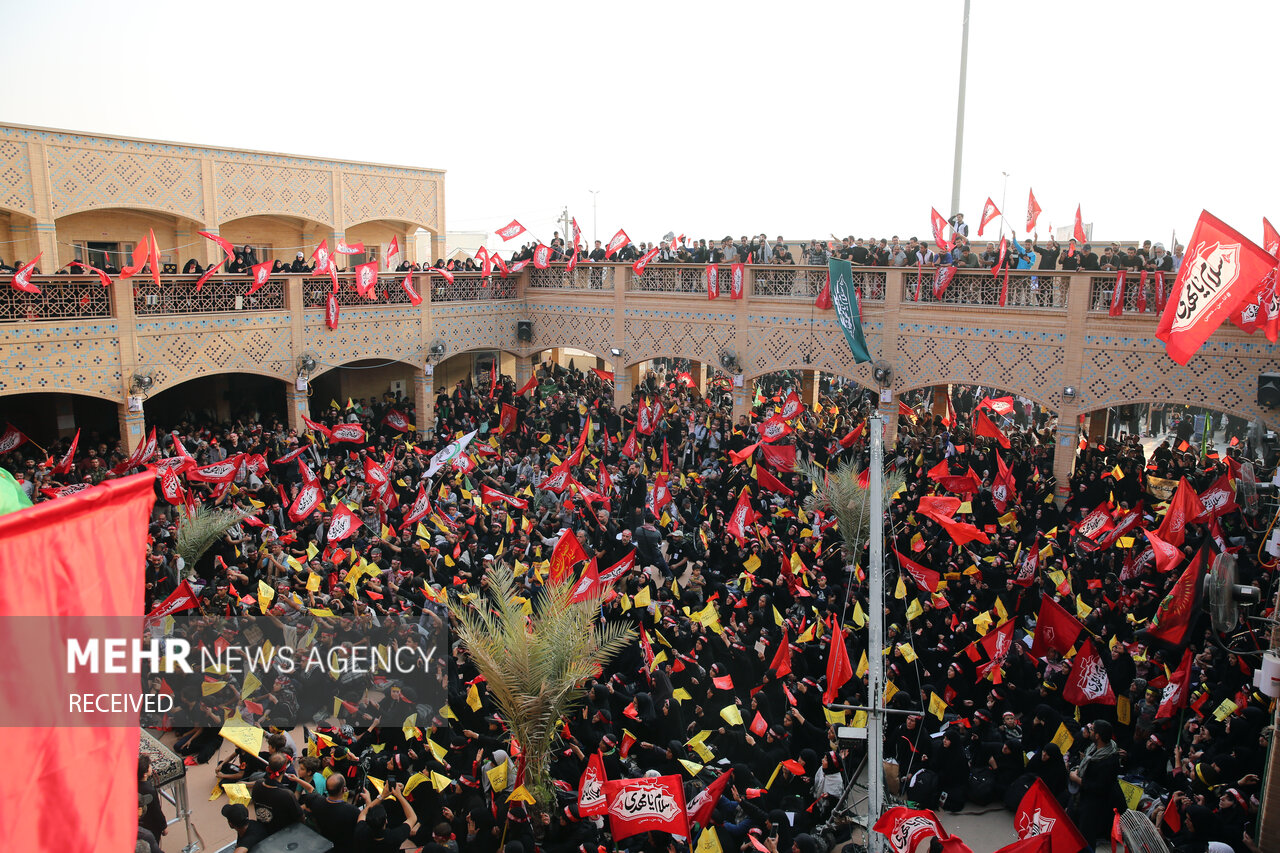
[(708, 119)]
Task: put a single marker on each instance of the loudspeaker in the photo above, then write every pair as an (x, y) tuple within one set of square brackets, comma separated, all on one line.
[(294, 839), (524, 331), (1269, 390)]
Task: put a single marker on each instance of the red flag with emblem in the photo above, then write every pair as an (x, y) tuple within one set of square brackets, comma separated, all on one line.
[(343, 524), (421, 506), (348, 432), (22, 278), (12, 438), (904, 827), (1220, 269), (591, 799), (939, 225), (393, 249), (367, 279), (1079, 234), (643, 261), (68, 458), (345, 248), (323, 260), (510, 231), (1218, 499), (1040, 814), (1033, 211), (839, 669), (396, 419), (1177, 690), (1167, 557), (567, 553), (1179, 610), (1055, 629), (506, 419), (1003, 487), (737, 280), (1088, 683), (588, 584), (616, 243), (925, 578), (407, 286), (989, 212), (780, 458), (630, 448), (542, 256), (261, 273), (713, 281), (647, 804), (742, 517), (1117, 295), (983, 426), (1184, 509), (942, 281)]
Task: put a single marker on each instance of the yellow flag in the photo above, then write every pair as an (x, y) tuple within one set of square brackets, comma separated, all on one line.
[(836, 718), (731, 715), (1226, 709), (708, 842), (777, 617), (914, 609), (1001, 611), (313, 582), (1122, 710), (414, 781), (521, 795), (312, 550), (859, 618), (247, 737), (983, 623), (680, 694), (691, 767), (859, 720), (862, 664), (265, 594), (409, 727), (1132, 794), (752, 563), (251, 685), (498, 777), (238, 793), (439, 781), (900, 591), (1082, 609), (936, 706), (806, 636), (208, 688), (890, 690), (473, 697), (1062, 737), (321, 611), (378, 784), (908, 652), (437, 750), (698, 744)]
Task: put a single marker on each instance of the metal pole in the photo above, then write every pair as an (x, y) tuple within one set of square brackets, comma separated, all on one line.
[(875, 636), (1004, 192), (964, 65), (594, 194)]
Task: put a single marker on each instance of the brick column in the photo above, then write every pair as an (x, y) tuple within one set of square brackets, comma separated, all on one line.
[(625, 380), (524, 369), (133, 427), (741, 399), (424, 401), (809, 388), (298, 404)]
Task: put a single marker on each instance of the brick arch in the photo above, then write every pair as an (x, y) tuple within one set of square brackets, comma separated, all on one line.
[(114, 395), (323, 368), (1052, 402), (410, 225), (1268, 418), (166, 379), (860, 374), (160, 212)]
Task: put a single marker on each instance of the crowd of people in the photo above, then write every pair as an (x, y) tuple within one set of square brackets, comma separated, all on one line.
[(979, 726)]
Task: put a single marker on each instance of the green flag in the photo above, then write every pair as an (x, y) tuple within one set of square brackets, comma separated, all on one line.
[(848, 308), (12, 498)]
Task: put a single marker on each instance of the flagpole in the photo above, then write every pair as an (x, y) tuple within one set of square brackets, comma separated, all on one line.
[(964, 66), (1004, 192), (875, 630)]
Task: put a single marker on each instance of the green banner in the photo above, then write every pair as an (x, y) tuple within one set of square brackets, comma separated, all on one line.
[(848, 310)]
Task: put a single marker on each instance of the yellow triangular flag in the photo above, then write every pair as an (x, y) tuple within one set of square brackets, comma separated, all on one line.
[(1062, 737), (643, 598), (752, 563), (208, 688), (691, 767), (859, 720), (836, 718), (251, 685), (908, 652), (238, 793), (473, 697), (890, 690), (521, 795), (862, 664), (913, 609), (439, 781), (859, 618), (1001, 611), (414, 781), (247, 737), (680, 694), (900, 591), (498, 777), (731, 715), (708, 841), (936, 706), (777, 617)]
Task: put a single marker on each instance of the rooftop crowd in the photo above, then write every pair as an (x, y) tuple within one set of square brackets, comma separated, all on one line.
[(1000, 725)]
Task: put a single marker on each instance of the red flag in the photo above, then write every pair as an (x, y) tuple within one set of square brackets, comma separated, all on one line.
[(617, 242), (528, 386), (742, 516), (421, 506), (1167, 556), (1180, 609), (773, 429), (444, 273), (647, 804), (824, 296), (1079, 229), (153, 257), (996, 644), (103, 278), (323, 260), (1177, 689), (942, 280), (713, 281), (490, 495), (619, 568), (999, 405), (781, 663), (577, 234), (630, 448), (758, 725), (925, 578), (1055, 629), (1140, 300), (261, 272), (1117, 296), (1184, 509), (12, 438), (701, 806), (939, 225), (367, 279), (208, 274), (68, 458), (224, 244), (567, 553), (407, 286), (313, 426), (1217, 500), (104, 527), (345, 248), (723, 682), (392, 250), (740, 456), (1039, 814), (506, 420), (344, 523), (396, 420), (989, 212), (839, 670), (1033, 211), (770, 483), (331, 312), (1034, 844), (737, 278), (643, 261), (348, 432), (218, 472), (588, 585), (542, 256), (140, 254), (22, 278), (1088, 683), (982, 425), (1003, 487), (591, 799), (904, 827), (182, 598), (854, 434), (1219, 270), (780, 458)]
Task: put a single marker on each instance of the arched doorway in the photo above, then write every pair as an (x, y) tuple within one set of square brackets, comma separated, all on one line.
[(45, 417), (221, 398), (363, 382), (1183, 426), (106, 236)]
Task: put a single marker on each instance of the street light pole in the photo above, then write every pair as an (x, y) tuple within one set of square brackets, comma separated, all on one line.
[(875, 635), (964, 65), (1004, 190), (594, 193)]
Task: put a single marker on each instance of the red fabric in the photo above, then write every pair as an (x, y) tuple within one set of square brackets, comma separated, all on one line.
[(223, 243), (1217, 500), (1055, 629), (943, 280), (1034, 844), (153, 257), (588, 585), (1088, 683), (69, 457), (507, 232), (103, 278), (343, 524), (1033, 211), (88, 548), (392, 250), (261, 272), (218, 472), (13, 438), (653, 804), (490, 495), (421, 506), (591, 799), (938, 508), (542, 256), (1003, 488), (577, 234), (348, 432), (1117, 296), (630, 448), (939, 225), (407, 286), (904, 827), (208, 274), (619, 568), (345, 248), (982, 425), (643, 261), (770, 483), (323, 259), (1039, 814), (723, 682), (1079, 228), (331, 312), (1178, 611), (367, 279), (1219, 271), (22, 278), (528, 386), (737, 278), (989, 212), (1140, 300), (313, 426), (396, 420), (1167, 556), (617, 242), (854, 434), (824, 297), (701, 806), (740, 456), (742, 517), (925, 578), (996, 644), (140, 253), (1184, 509), (839, 670), (774, 429), (506, 420), (182, 598), (781, 663), (1176, 690), (779, 458), (567, 554), (713, 281)]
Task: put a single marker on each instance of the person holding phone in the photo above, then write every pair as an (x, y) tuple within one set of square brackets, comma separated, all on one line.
[(372, 834)]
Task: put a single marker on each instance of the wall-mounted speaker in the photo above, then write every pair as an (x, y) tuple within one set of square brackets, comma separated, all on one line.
[(524, 331), (1269, 390)]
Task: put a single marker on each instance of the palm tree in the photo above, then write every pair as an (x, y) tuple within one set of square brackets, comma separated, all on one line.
[(535, 665), (198, 531), (836, 491)]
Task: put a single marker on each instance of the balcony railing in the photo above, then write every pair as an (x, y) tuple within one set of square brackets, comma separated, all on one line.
[(1027, 288), (586, 276), (315, 291), (1102, 286), (805, 283), (178, 295), (72, 297), (471, 288)]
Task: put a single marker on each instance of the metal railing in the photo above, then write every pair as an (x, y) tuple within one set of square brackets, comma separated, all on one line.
[(670, 278), (1102, 287), (471, 288), (1026, 288), (789, 282), (586, 276), (72, 297), (315, 291), (178, 295)]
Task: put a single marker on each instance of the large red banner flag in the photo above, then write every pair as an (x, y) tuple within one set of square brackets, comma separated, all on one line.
[(1220, 269), (1040, 814), (1088, 683), (1033, 210), (989, 212), (903, 827), (507, 232), (647, 804), (591, 799), (1055, 629), (1180, 609), (939, 225), (1078, 232), (88, 547), (616, 242)]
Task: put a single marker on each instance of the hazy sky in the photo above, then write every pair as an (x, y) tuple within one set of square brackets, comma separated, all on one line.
[(798, 119)]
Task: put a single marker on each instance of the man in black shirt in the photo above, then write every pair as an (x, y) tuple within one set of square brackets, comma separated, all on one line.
[(248, 832), (1089, 259), (597, 254), (858, 255), (274, 805), (372, 834), (333, 815)]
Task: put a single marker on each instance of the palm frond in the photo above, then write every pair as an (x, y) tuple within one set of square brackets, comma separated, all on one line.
[(197, 532)]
